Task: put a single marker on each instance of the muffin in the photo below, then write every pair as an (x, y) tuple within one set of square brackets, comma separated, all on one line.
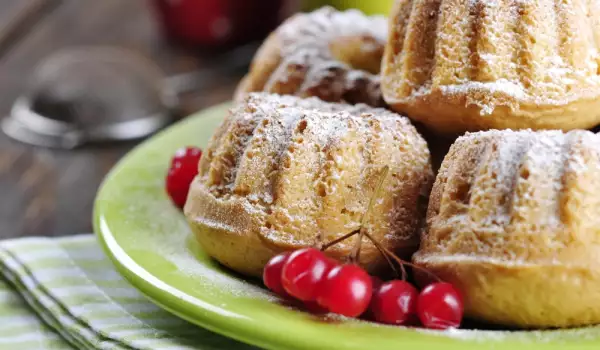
[(514, 223), (475, 65), (330, 54), (283, 173)]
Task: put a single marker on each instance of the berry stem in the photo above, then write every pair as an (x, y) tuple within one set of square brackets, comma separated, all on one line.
[(362, 232), (387, 258), (399, 261), (339, 239), (354, 257), (387, 254), (377, 245)]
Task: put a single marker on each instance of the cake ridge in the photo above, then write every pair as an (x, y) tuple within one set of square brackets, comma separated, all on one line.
[(486, 175), (292, 110)]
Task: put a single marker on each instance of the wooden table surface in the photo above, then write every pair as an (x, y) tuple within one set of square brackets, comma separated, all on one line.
[(50, 192)]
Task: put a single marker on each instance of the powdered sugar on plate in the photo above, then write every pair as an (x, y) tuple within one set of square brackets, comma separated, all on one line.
[(167, 235)]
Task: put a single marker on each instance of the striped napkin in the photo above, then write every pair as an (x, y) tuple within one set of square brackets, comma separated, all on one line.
[(63, 293)]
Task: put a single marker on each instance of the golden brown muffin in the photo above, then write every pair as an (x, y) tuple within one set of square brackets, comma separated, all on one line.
[(333, 55), (474, 65), (283, 173), (514, 223)]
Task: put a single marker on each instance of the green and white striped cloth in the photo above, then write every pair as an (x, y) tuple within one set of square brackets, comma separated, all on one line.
[(63, 293)]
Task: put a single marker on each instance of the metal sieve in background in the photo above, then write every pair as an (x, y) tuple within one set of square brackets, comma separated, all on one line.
[(89, 95)]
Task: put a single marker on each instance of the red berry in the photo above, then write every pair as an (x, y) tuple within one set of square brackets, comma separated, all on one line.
[(272, 273), (303, 272), (314, 308), (195, 22), (346, 290), (394, 302), (376, 282), (184, 167), (439, 306), (187, 154), (331, 263)]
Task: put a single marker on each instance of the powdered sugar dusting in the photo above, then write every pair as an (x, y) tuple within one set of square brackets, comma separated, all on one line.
[(319, 28), (307, 42), (167, 235), (180, 254), (531, 337), (333, 119), (487, 335)]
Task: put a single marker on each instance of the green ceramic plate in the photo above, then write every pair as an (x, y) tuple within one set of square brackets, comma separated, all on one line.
[(151, 245)]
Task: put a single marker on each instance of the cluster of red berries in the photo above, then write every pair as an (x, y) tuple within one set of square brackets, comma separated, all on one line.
[(183, 169), (324, 284)]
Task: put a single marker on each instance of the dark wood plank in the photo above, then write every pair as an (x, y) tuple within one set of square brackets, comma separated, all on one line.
[(77, 23), (17, 17), (28, 191), (50, 192), (10, 12)]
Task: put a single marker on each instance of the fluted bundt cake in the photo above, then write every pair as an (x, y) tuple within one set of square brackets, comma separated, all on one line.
[(333, 55), (283, 172), (514, 223), (475, 65)]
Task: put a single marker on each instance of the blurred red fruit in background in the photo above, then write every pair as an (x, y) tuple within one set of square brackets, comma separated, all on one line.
[(219, 22)]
